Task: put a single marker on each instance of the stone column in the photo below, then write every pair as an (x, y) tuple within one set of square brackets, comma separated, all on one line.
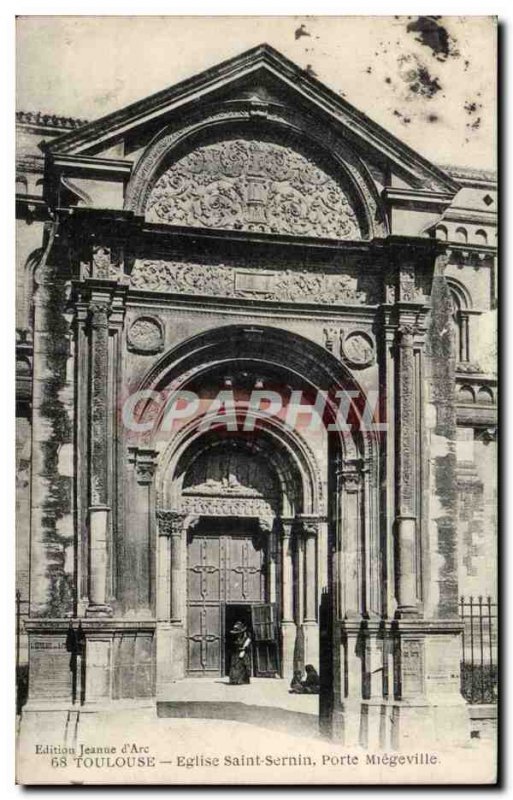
[(171, 528), (310, 533), (269, 529), (98, 472), (406, 522), (351, 544), (171, 655), (139, 531), (288, 625)]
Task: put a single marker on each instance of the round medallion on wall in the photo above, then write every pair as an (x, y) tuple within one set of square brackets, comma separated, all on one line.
[(146, 335), (358, 349)]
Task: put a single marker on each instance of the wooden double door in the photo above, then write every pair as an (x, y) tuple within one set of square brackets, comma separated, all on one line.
[(227, 581)]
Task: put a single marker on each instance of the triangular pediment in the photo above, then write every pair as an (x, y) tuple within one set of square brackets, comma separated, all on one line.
[(262, 78)]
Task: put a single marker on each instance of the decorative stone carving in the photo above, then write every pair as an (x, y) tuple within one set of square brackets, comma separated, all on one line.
[(226, 486), (390, 279), (227, 506), (358, 349), (243, 184), (99, 314), (309, 526), (281, 116), (144, 460), (101, 261), (222, 281), (468, 367), (406, 419), (331, 336), (170, 523), (146, 335), (409, 292)]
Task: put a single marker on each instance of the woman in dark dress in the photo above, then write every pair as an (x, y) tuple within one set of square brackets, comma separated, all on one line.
[(311, 683), (240, 658)]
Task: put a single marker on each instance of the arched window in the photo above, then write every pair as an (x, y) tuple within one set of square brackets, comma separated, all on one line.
[(441, 233), (460, 235), (460, 304), (481, 237)]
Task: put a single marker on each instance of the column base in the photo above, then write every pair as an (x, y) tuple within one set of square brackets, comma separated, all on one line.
[(396, 725), (98, 610), (407, 612), (170, 656)]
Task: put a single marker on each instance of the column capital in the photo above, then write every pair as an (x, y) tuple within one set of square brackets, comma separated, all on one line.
[(145, 463), (288, 524), (309, 524), (170, 523), (351, 472)]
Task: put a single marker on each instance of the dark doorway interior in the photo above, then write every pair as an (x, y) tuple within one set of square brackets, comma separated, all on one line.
[(233, 614)]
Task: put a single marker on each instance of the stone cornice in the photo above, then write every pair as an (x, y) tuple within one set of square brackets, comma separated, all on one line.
[(417, 198), (104, 624), (37, 119), (468, 176), (93, 166)]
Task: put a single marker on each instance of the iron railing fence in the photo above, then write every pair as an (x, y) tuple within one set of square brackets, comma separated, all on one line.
[(479, 657)]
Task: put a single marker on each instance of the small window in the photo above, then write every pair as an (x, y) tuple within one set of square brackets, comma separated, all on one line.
[(466, 395), (481, 237)]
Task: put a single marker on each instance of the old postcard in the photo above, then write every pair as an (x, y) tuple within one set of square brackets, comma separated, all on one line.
[(256, 397)]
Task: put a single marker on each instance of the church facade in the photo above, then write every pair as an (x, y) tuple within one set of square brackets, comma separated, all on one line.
[(255, 382)]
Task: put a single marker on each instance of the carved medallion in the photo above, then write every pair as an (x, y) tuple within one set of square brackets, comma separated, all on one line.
[(243, 184), (146, 335), (358, 349)]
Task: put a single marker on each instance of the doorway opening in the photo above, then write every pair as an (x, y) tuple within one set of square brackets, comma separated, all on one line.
[(233, 614)]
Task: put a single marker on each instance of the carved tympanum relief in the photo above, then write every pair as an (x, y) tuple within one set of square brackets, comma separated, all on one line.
[(243, 184), (230, 482)]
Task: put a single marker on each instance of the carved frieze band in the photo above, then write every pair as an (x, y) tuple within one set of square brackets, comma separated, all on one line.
[(223, 281), (245, 184)]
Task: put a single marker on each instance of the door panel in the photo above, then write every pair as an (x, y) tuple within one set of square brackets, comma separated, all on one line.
[(204, 638), (245, 570), (204, 569), (220, 569), (265, 640)]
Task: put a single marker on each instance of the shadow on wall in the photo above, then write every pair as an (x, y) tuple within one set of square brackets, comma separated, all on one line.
[(277, 719)]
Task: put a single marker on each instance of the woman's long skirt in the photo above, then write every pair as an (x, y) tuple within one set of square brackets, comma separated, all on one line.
[(240, 668)]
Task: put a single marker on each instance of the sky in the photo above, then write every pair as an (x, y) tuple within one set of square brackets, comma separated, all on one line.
[(431, 81)]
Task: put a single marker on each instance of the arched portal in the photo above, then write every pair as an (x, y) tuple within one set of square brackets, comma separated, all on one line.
[(257, 512)]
